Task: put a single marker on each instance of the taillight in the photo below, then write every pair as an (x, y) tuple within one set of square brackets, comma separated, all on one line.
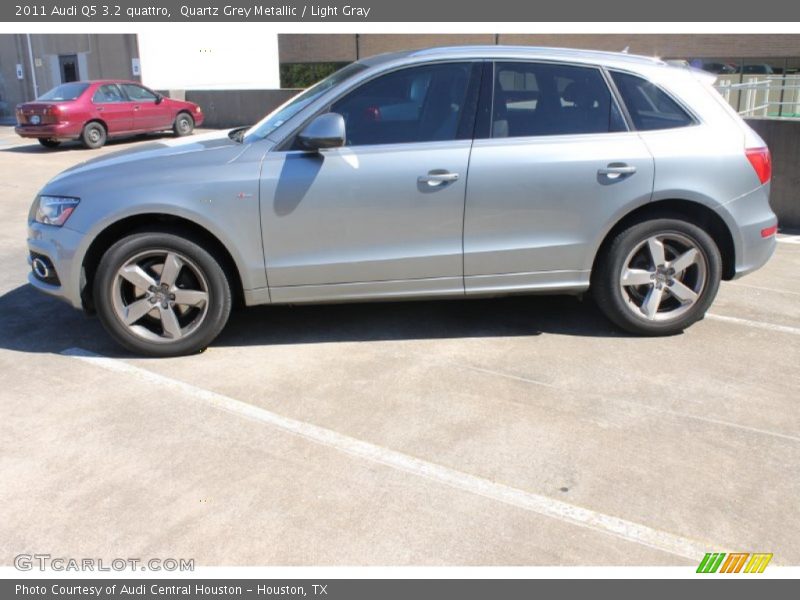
[(51, 114), (761, 161)]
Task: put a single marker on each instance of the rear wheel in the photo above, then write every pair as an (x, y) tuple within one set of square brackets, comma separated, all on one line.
[(658, 277), (184, 124), (160, 294), (49, 142), (93, 135)]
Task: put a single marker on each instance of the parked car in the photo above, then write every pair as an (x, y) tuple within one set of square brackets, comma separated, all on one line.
[(94, 111), (443, 173)]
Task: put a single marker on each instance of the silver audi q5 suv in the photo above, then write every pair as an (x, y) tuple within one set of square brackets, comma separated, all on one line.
[(450, 172)]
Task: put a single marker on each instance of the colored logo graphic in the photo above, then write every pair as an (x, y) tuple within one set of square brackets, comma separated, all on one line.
[(735, 562)]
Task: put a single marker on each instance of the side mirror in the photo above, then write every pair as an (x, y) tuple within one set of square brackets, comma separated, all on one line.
[(326, 131), (159, 98)]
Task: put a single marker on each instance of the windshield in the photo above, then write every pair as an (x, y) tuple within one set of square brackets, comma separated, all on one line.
[(285, 112), (66, 91)]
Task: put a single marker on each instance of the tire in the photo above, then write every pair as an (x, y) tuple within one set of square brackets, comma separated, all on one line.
[(153, 316), (94, 135), (652, 291), (49, 142), (184, 124)]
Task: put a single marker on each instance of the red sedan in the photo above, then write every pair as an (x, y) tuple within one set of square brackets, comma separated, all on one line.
[(93, 111)]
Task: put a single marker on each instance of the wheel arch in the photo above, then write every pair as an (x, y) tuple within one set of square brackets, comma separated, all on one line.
[(184, 111), (688, 210), (95, 120), (156, 222)]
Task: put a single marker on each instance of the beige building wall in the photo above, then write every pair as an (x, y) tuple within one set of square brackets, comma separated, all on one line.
[(297, 48), (100, 56)]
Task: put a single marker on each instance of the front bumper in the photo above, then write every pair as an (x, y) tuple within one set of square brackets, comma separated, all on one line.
[(747, 216), (60, 131), (60, 245)]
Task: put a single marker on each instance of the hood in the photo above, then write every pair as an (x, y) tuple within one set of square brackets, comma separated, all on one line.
[(157, 165), (158, 151)]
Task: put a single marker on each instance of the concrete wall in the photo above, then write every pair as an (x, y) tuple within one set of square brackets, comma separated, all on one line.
[(232, 108), (783, 139), (298, 48)]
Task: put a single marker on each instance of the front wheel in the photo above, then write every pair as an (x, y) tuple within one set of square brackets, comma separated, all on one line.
[(658, 277), (161, 294), (184, 124)]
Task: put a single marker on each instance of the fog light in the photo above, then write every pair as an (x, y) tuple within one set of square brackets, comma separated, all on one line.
[(43, 269)]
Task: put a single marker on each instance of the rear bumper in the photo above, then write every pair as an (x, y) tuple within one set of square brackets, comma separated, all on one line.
[(747, 216), (60, 131)]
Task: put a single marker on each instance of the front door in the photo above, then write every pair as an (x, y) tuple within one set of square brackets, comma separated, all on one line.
[(68, 66), (148, 113), (555, 168), (384, 213)]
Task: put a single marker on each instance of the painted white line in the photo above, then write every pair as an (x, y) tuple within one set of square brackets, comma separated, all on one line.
[(761, 287), (543, 505), (789, 239), (756, 324)]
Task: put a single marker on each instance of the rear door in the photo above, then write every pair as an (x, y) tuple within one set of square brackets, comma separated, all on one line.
[(553, 167), (114, 108)]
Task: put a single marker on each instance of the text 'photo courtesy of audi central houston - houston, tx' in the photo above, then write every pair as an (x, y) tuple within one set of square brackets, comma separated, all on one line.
[(440, 173)]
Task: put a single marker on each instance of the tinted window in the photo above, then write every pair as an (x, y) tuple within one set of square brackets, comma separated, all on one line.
[(419, 104), (649, 107), (108, 93), (138, 93), (539, 99), (68, 91)]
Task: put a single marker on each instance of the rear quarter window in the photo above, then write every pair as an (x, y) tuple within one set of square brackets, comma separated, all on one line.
[(649, 106)]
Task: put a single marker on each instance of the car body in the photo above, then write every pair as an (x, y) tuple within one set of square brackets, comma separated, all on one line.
[(120, 107), (440, 173)]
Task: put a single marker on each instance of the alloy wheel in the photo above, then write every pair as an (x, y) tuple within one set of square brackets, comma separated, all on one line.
[(160, 295), (663, 276)]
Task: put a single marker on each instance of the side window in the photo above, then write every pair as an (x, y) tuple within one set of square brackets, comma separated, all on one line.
[(138, 94), (418, 104), (107, 93), (532, 99), (650, 108)]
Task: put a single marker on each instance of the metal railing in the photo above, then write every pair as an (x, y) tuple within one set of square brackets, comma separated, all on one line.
[(764, 96)]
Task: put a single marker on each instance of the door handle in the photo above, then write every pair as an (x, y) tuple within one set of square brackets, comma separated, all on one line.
[(437, 178), (615, 170), (136, 107)]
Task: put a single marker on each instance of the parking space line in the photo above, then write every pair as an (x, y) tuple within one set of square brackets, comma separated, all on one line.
[(788, 239), (761, 287), (756, 324), (542, 505)]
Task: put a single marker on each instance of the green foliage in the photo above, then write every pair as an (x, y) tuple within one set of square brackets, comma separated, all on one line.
[(303, 75)]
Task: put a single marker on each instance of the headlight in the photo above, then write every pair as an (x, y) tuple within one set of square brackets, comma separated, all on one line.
[(55, 210)]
